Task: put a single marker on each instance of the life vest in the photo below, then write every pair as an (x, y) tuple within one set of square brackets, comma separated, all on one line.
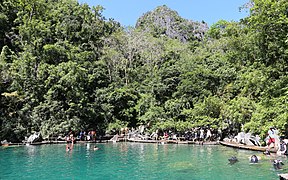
[(282, 146)]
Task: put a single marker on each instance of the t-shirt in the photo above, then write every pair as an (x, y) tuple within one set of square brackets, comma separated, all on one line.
[(271, 133)]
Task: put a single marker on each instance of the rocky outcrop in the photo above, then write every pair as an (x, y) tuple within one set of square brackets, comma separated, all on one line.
[(165, 22), (34, 137), (247, 139)]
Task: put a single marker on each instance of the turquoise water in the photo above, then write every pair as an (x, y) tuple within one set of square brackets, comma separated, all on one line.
[(133, 161)]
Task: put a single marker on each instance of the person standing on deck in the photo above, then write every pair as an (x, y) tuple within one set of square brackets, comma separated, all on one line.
[(208, 135), (271, 138), (201, 135)]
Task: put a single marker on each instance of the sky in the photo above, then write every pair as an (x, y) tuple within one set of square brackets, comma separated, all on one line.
[(211, 11)]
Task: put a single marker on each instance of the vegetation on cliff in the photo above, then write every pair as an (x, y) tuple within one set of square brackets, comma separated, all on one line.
[(65, 66)]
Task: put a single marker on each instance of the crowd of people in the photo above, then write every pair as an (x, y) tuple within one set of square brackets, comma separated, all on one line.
[(202, 134), (71, 137), (195, 134), (199, 134), (254, 159), (273, 142)]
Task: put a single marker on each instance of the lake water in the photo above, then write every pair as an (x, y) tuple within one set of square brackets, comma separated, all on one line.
[(134, 161)]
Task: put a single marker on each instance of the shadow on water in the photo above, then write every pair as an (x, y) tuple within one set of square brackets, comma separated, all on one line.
[(186, 171)]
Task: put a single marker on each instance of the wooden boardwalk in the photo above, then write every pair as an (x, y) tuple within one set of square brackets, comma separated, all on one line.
[(283, 176), (173, 142), (247, 147), (49, 142)]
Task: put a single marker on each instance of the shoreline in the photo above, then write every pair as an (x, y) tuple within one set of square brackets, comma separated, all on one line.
[(108, 141), (223, 143), (50, 142), (175, 142)]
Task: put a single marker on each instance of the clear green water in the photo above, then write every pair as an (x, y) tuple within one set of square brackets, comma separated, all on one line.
[(133, 161)]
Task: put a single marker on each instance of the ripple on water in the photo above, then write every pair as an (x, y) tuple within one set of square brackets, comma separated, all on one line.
[(132, 161)]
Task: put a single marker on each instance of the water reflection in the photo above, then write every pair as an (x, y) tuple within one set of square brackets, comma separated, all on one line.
[(87, 150), (69, 147), (124, 148), (31, 150)]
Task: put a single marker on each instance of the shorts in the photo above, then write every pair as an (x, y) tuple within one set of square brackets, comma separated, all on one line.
[(271, 140)]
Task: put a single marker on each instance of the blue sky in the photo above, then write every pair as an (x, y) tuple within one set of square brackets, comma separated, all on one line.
[(128, 11)]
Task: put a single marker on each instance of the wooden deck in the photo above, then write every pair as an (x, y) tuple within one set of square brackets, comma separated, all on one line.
[(247, 147), (49, 142), (172, 142), (283, 176)]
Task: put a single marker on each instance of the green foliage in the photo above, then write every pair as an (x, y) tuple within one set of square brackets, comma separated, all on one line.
[(205, 113), (116, 126), (224, 29), (64, 66), (237, 112)]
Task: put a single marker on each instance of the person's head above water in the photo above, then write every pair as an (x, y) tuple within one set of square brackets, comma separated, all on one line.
[(277, 163), (233, 159), (266, 152), (254, 159)]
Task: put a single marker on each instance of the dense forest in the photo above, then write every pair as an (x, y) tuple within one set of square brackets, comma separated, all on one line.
[(65, 66)]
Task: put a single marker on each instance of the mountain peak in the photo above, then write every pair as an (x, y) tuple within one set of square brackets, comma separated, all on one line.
[(165, 21)]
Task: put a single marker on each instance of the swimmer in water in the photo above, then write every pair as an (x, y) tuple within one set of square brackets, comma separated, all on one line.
[(277, 163), (233, 160), (254, 159)]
